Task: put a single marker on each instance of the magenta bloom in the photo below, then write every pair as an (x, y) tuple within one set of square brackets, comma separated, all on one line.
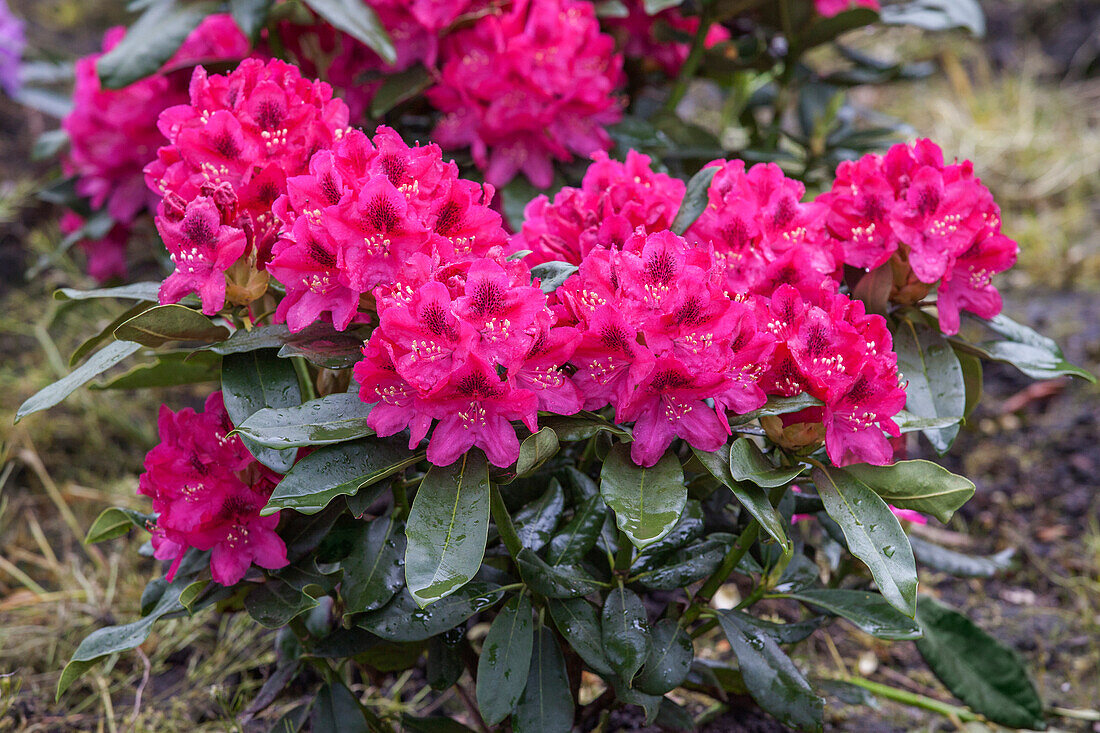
[(528, 86), (202, 249), (207, 491), (967, 285), (644, 36), (829, 8)]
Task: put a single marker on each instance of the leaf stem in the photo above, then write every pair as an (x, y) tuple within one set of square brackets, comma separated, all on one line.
[(910, 698), (691, 64), (503, 520), (305, 380)]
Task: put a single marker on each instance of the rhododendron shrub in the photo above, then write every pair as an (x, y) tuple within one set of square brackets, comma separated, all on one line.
[(513, 442)]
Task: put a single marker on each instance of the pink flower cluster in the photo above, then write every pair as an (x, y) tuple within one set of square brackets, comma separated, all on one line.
[(613, 201), (522, 88), (230, 152), (935, 221), (360, 215), (829, 8), (207, 491), (472, 345), (113, 132), (644, 36)]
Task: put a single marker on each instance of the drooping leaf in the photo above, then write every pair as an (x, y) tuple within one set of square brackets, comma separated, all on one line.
[(274, 603), (770, 676), (959, 564), (695, 200), (1024, 348), (359, 20), (546, 705), (579, 624), (689, 564), (337, 710), (981, 671), (372, 571), (629, 695), (164, 323), (747, 463), (334, 418), (578, 536), (752, 496), (669, 660), (936, 388), (505, 660), (252, 381), (873, 535), (96, 364), (922, 486), (444, 665), (869, 611), (94, 342), (447, 528), (402, 619), (647, 501), (535, 450), (147, 291), (151, 41), (625, 632), (169, 370), (553, 581), (336, 470), (535, 522), (115, 522)]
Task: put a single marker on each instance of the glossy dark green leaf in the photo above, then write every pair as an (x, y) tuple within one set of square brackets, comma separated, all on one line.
[(169, 370), (579, 534), (505, 660), (747, 463), (164, 323), (553, 581), (979, 670), (261, 337), (650, 704), (444, 665), (689, 564), (359, 20), (687, 529), (536, 522), (546, 705), (372, 571), (335, 418), (625, 632), (327, 349), (148, 291), (791, 633), (552, 274), (935, 379), (252, 381), (671, 716), (1029, 351), (579, 624), (669, 660), (922, 486), (873, 535), (402, 619), (337, 710), (750, 495), (447, 528), (151, 41), (695, 199), (959, 564), (535, 450), (972, 378), (274, 603), (98, 363), (399, 87), (115, 522), (582, 426), (647, 501), (336, 470), (778, 406), (869, 611), (770, 676)]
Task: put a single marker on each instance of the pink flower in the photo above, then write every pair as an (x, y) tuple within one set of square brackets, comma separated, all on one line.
[(967, 285), (207, 491), (202, 249), (829, 8), (526, 87), (644, 36)]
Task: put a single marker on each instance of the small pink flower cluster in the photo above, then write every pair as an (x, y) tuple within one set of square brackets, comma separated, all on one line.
[(614, 200), (362, 212), (937, 222), (113, 132), (644, 36), (207, 491), (528, 86), (472, 345), (829, 8), (230, 152)]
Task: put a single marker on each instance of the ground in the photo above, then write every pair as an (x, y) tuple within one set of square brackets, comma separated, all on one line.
[(1020, 106)]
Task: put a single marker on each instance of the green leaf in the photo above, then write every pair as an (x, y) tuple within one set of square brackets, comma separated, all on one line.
[(276, 602), (250, 16), (752, 497), (546, 705), (148, 291), (979, 670), (535, 522), (579, 535), (337, 710), (552, 275), (972, 378), (772, 679), (747, 463), (112, 639), (936, 388), (444, 665), (402, 619), (696, 199), (447, 528), (578, 623), (261, 337), (335, 418), (91, 344), (115, 522), (628, 695), (1024, 348), (359, 20), (669, 660), (432, 724), (869, 611), (652, 7), (98, 363), (827, 29), (169, 370), (162, 324), (324, 347), (582, 426), (922, 486), (778, 406), (373, 572), (336, 470), (647, 501), (553, 581), (689, 564), (505, 660), (937, 15), (624, 629), (252, 381), (688, 528), (958, 564), (400, 87), (151, 41), (536, 450), (873, 534)]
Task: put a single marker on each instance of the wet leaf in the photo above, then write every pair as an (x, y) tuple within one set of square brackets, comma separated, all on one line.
[(535, 522), (373, 571), (553, 581), (647, 501), (922, 486), (936, 388), (252, 381), (669, 660), (164, 323), (752, 496), (505, 660), (98, 363), (579, 624), (335, 418), (625, 632), (689, 564), (402, 619), (578, 536), (869, 611), (546, 705)]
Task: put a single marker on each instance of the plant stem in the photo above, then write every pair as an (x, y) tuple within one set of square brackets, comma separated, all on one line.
[(624, 558), (400, 497), (503, 521), (687, 71), (305, 380), (910, 698)]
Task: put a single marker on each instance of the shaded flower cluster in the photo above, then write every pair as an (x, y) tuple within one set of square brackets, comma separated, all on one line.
[(207, 492), (473, 346), (359, 216), (931, 222), (527, 86), (645, 36), (230, 152), (12, 41)]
